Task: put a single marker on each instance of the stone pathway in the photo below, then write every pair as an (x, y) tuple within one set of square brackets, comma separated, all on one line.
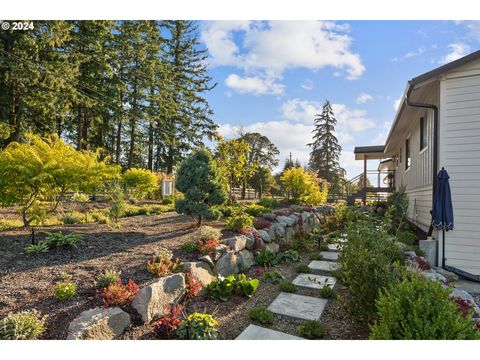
[(300, 306)]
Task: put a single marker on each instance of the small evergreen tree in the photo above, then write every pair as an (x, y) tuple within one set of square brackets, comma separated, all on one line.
[(199, 180), (325, 155)]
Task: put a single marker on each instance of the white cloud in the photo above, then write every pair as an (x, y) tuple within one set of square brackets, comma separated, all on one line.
[(411, 54), (307, 85), (457, 51), (472, 26), (382, 135), (344, 138), (276, 46), (364, 98), (254, 84)]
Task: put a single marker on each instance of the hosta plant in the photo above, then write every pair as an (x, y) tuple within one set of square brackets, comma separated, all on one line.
[(40, 247), (24, 325), (223, 288), (119, 294), (198, 326), (59, 239)]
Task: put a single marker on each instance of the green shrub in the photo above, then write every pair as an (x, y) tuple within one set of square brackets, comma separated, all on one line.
[(117, 204), (239, 221), (65, 290), (205, 233), (198, 326), (72, 218), (289, 256), (24, 325), (420, 309), (272, 277), (256, 210), (406, 237), (328, 292), (287, 286), (223, 288), (227, 210), (270, 203), (167, 200), (303, 242), (311, 330), (140, 182), (107, 278), (190, 247), (369, 262), (59, 239), (10, 224), (302, 268), (324, 247), (316, 256), (41, 247), (99, 217), (80, 197), (261, 315), (266, 258)]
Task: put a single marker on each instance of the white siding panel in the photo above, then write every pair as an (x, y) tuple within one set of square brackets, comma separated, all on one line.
[(460, 155)]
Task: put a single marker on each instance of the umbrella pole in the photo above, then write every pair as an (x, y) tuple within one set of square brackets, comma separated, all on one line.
[(443, 249)]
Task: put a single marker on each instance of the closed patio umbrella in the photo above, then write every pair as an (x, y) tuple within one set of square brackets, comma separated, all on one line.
[(442, 213)]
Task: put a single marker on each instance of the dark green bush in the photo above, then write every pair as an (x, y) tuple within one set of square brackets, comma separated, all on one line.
[(266, 258), (311, 330), (289, 256), (406, 237), (256, 210), (316, 256), (420, 309), (287, 286), (328, 292), (303, 243), (190, 247), (262, 315), (369, 262), (302, 268), (272, 277)]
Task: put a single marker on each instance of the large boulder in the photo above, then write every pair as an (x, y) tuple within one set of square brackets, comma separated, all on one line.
[(289, 234), (207, 260), (237, 243), (219, 251), (287, 220), (277, 230), (450, 276), (250, 241), (269, 217), (245, 259), (151, 301), (227, 264), (272, 247), (99, 324), (201, 270), (265, 236)]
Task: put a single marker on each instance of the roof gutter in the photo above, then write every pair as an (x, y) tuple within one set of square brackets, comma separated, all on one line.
[(433, 107)]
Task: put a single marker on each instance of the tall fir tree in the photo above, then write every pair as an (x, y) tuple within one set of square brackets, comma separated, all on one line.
[(325, 154)]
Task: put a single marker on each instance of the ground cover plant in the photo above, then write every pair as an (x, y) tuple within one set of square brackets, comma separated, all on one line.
[(287, 286), (24, 325), (198, 326), (261, 315), (312, 330), (65, 289)]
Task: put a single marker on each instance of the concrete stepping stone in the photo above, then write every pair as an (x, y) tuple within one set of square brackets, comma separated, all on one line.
[(298, 306), (312, 281), (321, 265), (329, 255), (254, 332), (332, 247), (342, 240)]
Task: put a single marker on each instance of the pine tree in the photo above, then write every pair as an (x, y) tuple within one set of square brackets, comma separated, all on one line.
[(325, 154)]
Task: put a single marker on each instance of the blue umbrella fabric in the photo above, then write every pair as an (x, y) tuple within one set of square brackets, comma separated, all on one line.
[(442, 215)]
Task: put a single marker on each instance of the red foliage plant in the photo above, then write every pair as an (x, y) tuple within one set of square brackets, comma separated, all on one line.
[(262, 224), (208, 247), (283, 212), (162, 266), (422, 263), (193, 286), (166, 326), (464, 306), (119, 294), (258, 272), (308, 209)]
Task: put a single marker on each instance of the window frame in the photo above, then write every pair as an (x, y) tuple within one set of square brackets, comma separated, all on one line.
[(423, 134), (408, 154)]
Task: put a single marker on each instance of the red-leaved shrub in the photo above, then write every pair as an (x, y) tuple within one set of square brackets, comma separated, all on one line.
[(163, 266), (208, 247), (166, 326), (262, 224), (464, 306), (421, 262), (119, 294), (258, 273), (193, 286)]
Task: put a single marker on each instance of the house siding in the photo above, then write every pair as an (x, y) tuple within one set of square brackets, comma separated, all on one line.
[(459, 154)]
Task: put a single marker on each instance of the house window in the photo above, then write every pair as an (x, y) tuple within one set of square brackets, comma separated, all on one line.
[(423, 133), (408, 159)]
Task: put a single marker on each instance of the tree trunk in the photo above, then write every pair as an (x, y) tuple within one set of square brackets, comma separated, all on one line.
[(199, 222), (244, 187), (170, 160), (150, 146)]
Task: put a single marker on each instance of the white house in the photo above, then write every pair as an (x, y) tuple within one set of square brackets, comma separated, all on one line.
[(437, 125)]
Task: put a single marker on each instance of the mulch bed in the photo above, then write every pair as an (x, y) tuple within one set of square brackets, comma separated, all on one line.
[(27, 281)]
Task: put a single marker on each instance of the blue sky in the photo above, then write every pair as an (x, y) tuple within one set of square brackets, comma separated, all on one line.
[(273, 76)]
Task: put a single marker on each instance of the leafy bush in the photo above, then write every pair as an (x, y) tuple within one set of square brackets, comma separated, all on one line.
[(80, 197), (167, 200), (287, 286), (227, 210), (72, 218), (118, 293), (190, 247), (99, 217), (41, 247), (239, 221), (369, 262), (406, 237), (311, 330), (9, 224), (24, 325), (223, 288), (208, 247), (108, 277), (167, 325), (304, 187), (205, 233), (261, 315), (420, 309), (198, 326), (65, 290), (266, 258), (59, 239), (289, 256), (324, 247), (270, 203), (256, 210), (303, 242), (316, 256), (141, 182), (328, 292), (272, 277), (302, 268)]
